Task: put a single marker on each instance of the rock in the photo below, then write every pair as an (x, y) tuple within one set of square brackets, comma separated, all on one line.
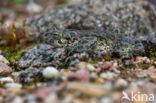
[(149, 72), (55, 81), (93, 75), (13, 85), (30, 75), (115, 70), (44, 92), (147, 61), (2, 91), (5, 69), (108, 75), (120, 83), (50, 72), (18, 100), (98, 70), (80, 74), (99, 80), (106, 100), (3, 60), (69, 99), (52, 98), (115, 64), (139, 60), (89, 89), (82, 65), (14, 90), (31, 98), (142, 60), (6, 80), (41, 55), (128, 62), (32, 7), (106, 65), (90, 67)]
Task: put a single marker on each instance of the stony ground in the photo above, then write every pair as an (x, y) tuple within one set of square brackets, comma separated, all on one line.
[(91, 51)]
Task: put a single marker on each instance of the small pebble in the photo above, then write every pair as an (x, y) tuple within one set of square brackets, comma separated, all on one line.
[(13, 85), (31, 98), (82, 65), (114, 69), (115, 64), (128, 62), (90, 67), (142, 60), (33, 8), (6, 80), (147, 61), (15, 90), (106, 65), (93, 75), (80, 74), (18, 100), (139, 60), (50, 72), (5, 69), (106, 100), (52, 98), (2, 91), (99, 80), (3, 60), (98, 70), (121, 83), (107, 75)]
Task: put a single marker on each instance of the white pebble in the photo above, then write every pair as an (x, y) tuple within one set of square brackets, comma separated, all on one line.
[(52, 98), (106, 100), (121, 83), (32, 7), (93, 75), (6, 80), (49, 72), (18, 100), (13, 85), (3, 60), (107, 75), (90, 67)]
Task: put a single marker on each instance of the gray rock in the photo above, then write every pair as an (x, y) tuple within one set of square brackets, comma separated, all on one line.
[(30, 75), (3, 60), (13, 85), (6, 80), (5, 69), (41, 56)]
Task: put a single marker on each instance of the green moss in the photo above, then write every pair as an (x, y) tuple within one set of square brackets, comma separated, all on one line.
[(93, 62), (108, 58), (12, 56), (65, 66), (153, 56)]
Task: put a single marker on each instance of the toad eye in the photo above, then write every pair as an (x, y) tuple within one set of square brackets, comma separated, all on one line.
[(62, 40), (56, 34)]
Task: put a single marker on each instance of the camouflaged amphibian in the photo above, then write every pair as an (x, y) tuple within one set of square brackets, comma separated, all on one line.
[(91, 30)]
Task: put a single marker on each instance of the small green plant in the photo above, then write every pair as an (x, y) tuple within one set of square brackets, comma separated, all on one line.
[(15, 42), (153, 56), (1, 23), (18, 1)]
